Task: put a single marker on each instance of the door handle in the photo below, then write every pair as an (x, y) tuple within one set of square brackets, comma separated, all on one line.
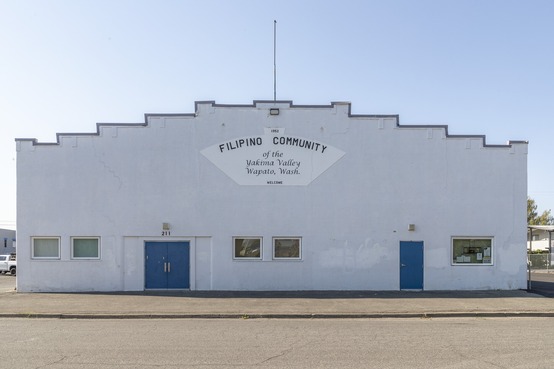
[(165, 267), (403, 265), (169, 267)]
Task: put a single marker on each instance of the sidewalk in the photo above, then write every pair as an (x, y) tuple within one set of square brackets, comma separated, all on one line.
[(319, 304)]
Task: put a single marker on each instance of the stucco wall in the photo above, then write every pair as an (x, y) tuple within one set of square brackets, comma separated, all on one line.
[(124, 182)]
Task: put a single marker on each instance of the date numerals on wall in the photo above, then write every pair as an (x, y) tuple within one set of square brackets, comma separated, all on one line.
[(166, 233)]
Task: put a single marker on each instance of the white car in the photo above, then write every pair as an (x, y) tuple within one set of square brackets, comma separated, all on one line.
[(8, 264)]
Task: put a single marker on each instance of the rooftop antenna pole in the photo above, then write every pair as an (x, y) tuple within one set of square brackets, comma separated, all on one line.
[(274, 61)]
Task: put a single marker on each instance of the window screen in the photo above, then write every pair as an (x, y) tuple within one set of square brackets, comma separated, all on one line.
[(85, 248), (48, 248)]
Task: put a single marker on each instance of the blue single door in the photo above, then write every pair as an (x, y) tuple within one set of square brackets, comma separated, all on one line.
[(411, 265), (156, 265), (167, 265), (178, 256)]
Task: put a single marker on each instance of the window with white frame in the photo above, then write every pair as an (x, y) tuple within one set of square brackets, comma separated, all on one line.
[(287, 247), (85, 247), (247, 248), (45, 247), (472, 250)]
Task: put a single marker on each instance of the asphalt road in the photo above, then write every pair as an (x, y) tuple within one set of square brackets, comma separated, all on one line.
[(542, 283), (265, 343)]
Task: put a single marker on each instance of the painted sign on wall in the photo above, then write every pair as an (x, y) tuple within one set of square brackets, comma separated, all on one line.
[(273, 158)]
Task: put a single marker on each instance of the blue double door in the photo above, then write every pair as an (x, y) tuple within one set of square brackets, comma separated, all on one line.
[(411, 265), (167, 265)]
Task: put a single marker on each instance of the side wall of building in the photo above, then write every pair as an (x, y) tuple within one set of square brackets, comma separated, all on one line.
[(125, 182)]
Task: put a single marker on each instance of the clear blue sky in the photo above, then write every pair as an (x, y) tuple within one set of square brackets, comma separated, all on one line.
[(479, 66)]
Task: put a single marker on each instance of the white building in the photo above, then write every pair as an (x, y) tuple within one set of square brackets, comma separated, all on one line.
[(7, 241), (539, 237), (270, 196)]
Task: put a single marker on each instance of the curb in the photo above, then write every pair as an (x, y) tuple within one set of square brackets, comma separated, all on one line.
[(503, 314)]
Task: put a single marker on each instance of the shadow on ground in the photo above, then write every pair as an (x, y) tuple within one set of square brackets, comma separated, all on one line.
[(329, 294), (542, 283)]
